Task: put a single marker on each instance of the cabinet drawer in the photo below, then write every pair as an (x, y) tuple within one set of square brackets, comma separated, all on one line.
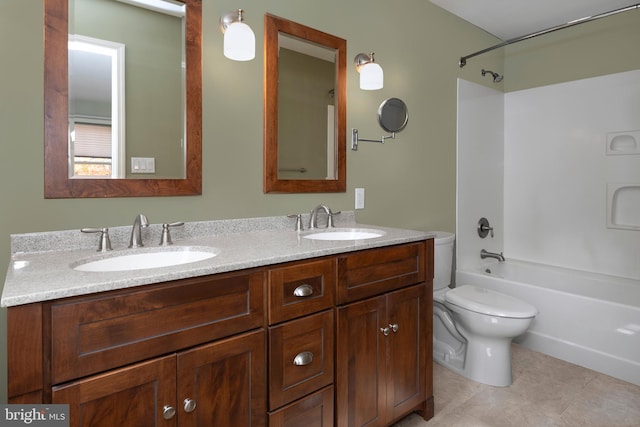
[(315, 410), (95, 333), (301, 357), (373, 272), (300, 289)]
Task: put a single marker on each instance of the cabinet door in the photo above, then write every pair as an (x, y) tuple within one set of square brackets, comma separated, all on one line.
[(406, 314), (361, 364), (224, 382), (133, 396)]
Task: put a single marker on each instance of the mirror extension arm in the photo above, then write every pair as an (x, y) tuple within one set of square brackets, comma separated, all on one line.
[(355, 139)]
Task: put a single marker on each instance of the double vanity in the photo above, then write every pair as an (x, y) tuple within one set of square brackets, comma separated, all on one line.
[(246, 323)]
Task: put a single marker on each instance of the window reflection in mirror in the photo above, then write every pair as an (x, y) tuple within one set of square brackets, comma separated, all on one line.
[(152, 126), (96, 108)]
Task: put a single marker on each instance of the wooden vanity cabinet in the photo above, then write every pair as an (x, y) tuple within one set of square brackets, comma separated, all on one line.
[(384, 347), (183, 353), (301, 343), (340, 340), (221, 383)]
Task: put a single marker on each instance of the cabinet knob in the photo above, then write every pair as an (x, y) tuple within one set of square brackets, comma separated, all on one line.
[(303, 359), (303, 290), (189, 405), (168, 412), (394, 327), (385, 331)]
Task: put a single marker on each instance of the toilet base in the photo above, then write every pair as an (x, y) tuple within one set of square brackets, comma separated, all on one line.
[(489, 362), (486, 365)]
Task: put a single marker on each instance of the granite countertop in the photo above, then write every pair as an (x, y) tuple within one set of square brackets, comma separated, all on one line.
[(41, 266)]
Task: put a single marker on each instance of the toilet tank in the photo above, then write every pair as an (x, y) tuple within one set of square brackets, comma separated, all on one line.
[(442, 259)]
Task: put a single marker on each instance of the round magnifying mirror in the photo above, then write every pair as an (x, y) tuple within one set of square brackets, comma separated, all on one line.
[(393, 115)]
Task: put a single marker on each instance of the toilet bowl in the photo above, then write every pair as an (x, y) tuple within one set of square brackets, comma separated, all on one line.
[(473, 327)]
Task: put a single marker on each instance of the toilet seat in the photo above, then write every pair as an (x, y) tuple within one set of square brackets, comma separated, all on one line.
[(486, 301)]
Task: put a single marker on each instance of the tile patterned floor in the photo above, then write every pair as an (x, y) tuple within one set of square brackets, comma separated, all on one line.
[(545, 392)]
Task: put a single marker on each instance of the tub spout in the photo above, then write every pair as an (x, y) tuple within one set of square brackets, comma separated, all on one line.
[(484, 254)]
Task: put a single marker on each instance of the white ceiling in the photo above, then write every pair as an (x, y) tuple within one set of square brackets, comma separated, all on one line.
[(508, 19)]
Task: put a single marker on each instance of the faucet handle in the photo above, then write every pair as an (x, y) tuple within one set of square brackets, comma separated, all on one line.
[(105, 242), (484, 228), (330, 220), (165, 239), (298, 218)]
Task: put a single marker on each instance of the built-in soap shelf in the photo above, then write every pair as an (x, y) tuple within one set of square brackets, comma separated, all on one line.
[(623, 206), (620, 143)]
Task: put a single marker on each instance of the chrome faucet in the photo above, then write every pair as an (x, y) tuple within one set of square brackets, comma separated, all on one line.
[(136, 231), (484, 254), (313, 220)]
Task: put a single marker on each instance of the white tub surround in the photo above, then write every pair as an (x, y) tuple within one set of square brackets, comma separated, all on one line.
[(589, 319), (41, 263)]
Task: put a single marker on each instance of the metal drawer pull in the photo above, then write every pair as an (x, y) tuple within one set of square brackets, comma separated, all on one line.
[(189, 405), (168, 412), (303, 359), (394, 327), (303, 291), (385, 331)]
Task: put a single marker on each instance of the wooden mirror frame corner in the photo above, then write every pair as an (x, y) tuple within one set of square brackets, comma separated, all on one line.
[(271, 183), (57, 183)]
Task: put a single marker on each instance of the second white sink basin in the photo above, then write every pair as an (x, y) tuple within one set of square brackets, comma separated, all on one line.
[(161, 257), (345, 234)]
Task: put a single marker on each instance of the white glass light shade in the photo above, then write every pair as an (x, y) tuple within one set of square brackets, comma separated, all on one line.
[(371, 77), (239, 42)]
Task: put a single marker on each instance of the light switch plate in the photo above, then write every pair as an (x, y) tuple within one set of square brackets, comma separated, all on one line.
[(143, 165)]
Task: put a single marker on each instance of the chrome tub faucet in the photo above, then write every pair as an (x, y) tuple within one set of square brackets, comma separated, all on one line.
[(485, 254)]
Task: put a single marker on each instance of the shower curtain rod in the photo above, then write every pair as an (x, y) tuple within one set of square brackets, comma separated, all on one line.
[(463, 59)]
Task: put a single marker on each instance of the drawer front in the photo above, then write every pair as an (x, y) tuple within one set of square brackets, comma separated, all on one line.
[(301, 357), (376, 271), (300, 289), (315, 410), (95, 333)]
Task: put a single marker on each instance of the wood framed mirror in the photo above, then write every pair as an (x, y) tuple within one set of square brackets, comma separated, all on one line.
[(304, 109), (58, 181)]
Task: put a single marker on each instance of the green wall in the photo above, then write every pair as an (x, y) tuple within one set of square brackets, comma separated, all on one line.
[(409, 182)]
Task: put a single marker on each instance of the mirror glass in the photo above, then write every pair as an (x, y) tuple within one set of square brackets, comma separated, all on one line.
[(131, 130), (122, 98), (305, 109), (393, 115)]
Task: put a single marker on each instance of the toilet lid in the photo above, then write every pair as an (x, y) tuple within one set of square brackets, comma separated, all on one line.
[(486, 301)]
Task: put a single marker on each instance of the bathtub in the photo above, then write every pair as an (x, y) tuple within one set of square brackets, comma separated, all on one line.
[(589, 319)]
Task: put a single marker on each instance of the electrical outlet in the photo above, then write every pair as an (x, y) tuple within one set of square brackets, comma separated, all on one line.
[(359, 198)]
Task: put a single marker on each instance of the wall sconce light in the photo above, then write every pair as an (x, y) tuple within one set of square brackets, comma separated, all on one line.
[(239, 40), (371, 74)]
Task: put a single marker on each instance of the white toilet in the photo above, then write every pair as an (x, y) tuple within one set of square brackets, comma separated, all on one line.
[(472, 326)]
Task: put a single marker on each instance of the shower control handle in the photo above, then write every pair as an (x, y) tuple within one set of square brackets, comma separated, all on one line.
[(484, 228)]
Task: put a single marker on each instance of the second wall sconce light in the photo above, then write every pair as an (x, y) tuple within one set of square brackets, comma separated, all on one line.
[(239, 40), (371, 74)]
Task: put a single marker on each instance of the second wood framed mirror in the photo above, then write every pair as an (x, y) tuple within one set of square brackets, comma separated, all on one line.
[(304, 109)]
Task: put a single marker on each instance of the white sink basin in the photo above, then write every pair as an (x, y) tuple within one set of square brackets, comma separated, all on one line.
[(139, 260), (345, 234)]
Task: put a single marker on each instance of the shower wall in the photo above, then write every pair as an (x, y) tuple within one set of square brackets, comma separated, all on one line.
[(480, 156), (556, 171), (572, 174)]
